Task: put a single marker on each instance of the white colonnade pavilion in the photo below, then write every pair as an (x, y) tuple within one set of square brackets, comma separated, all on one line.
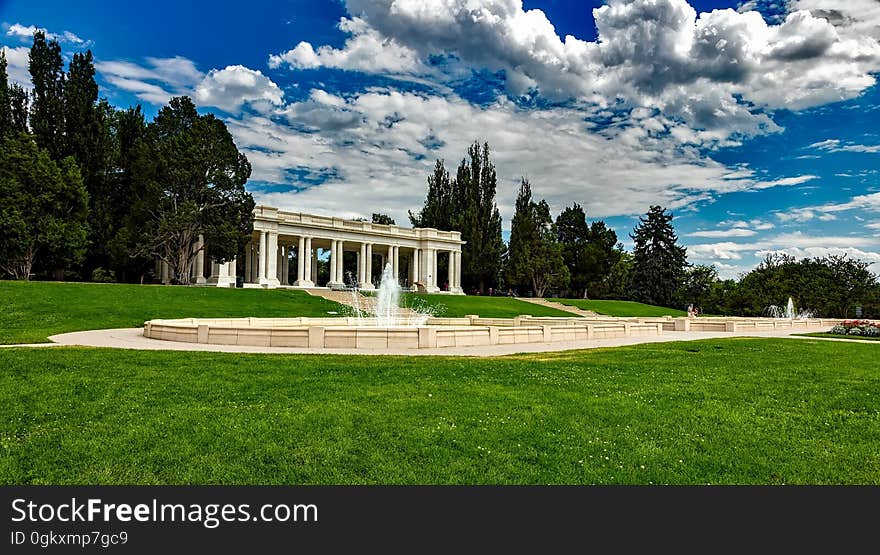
[(358, 251)]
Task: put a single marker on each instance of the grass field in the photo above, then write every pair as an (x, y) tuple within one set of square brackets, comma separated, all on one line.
[(32, 311), (622, 308), (835, 336), (722, 411), (456, 306)]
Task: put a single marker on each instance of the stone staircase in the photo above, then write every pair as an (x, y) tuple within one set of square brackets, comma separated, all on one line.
[(559, 306)]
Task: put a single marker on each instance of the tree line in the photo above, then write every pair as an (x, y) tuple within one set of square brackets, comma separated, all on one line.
[(93, 192), (576, 258)]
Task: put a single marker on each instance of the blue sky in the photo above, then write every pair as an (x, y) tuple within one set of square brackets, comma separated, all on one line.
[(755, 122)]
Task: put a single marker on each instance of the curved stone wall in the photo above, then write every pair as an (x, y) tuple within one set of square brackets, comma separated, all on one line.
[(353, 333)]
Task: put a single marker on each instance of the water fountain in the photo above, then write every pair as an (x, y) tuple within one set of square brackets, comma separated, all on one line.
[(787, 312), (384, 308)]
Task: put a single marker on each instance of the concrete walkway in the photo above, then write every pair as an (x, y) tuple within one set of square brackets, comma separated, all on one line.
[(132, 338), (558, 306)]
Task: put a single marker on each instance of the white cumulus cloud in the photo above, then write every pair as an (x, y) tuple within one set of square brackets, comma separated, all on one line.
[(715, 71), (233, 86)]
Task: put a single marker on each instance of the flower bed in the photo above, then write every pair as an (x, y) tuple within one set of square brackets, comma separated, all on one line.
[(857, 328)]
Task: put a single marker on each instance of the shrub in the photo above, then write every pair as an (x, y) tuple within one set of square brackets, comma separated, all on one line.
[(839, 330), (871, 331), (855, 331), (100, 275)]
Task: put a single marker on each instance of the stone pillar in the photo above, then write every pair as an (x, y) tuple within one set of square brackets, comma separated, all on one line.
[(248, 261), (340, 263), (430, 271), (279, 264), (272, 260), (450, 278), (306, 256), (368, 268), (222, 275), (457, 256), (233, 269), (285, 268), (255, 258), (395, 261), (415, 262), (199, 269), (261, 265), (362, 266), (334, 260), (314, 276), (301, 262)]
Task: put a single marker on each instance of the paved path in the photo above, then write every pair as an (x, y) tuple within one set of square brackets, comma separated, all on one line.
[(133, 338), (558, 306)]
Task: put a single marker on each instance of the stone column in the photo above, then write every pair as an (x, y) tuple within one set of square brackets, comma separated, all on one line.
[(457, 256), (395, 261), (272, 259), (307, 264), (362, 265), (285, 268), (279, 264), (199, 269), (233, 270), (334, 260), (261, 266), (431, 270), (340, 263), (451, 276), (314, 276), (301, 262), (248, 261), (368, 267), (415, 262)]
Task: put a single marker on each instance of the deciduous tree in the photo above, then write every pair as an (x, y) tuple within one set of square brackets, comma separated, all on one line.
[(44, 209), (193, 179)]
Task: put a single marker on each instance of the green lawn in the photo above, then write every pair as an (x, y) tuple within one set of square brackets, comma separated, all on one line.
[(622, 308), (835, 336), (456, 306), (734, 411), (32, 311)]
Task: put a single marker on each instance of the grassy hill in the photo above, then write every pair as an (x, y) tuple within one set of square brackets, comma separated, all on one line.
[(622, 308), (32, 311), (456, 306)]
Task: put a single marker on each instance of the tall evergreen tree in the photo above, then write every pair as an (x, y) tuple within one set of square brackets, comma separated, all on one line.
[(535, 253), (573, 233), (437, 211), (589, 250), (5, 104), (18, 104), (477, 217), (129, 130), (87, 137), (47, 108), (659, 261), (467, 204)]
